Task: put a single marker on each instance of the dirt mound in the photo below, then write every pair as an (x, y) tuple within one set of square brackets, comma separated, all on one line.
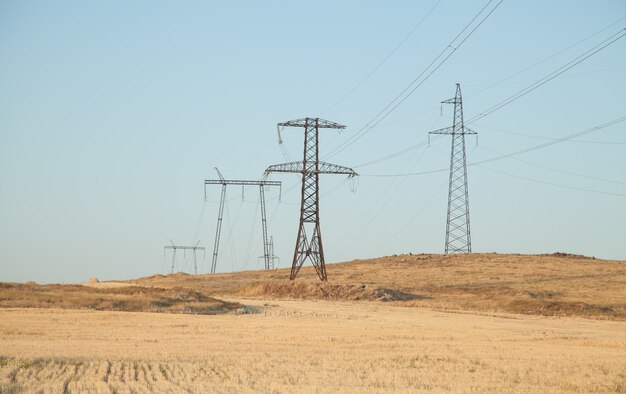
[(326, 291), (93, 280)]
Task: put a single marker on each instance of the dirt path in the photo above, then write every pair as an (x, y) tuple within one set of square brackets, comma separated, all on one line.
[(308, 346)]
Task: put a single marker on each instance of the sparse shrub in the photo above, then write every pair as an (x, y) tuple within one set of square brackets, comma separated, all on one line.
[(4, 360)]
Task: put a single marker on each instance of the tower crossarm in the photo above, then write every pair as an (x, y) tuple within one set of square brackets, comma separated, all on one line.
[(294, 166), (184, 247), (323, 168), (450, 130), (328, 168), (321, 123), (455, 100), (240, 182)]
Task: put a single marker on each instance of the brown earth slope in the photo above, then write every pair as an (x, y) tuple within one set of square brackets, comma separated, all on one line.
[(553, 285), (126, 298)]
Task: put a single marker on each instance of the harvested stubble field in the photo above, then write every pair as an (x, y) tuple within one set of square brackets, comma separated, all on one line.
[(405, 324)]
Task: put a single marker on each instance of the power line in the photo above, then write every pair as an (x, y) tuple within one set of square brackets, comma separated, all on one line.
[(249, 250), (417, 213), (399, 99), (553, 184), (433, 109), (595, 71), (597, 48), (519, 152), (548, 58), (525, 70), (382, 62), (483, 127), (425, 142), (405, 174), (561, 171), (587, 54), (384, 199), (444, 55), (553, 142), (200, 219), (394, 155)]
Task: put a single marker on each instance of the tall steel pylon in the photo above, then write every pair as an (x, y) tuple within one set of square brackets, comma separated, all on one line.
[(261, 184), (458, 236), (310, 248)]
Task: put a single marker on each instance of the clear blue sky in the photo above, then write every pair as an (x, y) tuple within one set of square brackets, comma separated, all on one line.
[(113, 113)]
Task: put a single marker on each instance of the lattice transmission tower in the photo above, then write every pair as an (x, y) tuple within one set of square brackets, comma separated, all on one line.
[(224, 182), (309, 241), (272, 257), (458, 236)]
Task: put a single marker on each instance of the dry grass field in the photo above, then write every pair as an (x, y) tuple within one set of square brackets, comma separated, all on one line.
[(308, 346), (421, 323)]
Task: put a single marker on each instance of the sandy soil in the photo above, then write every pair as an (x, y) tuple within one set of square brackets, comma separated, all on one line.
[(308, 346)]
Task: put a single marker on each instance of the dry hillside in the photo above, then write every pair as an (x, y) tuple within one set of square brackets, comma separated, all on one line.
[(550, 285), (554, 285), (111, 298)]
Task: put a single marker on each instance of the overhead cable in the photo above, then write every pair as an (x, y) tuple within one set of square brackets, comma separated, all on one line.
[(382, 62), (439, 60), (519, 152), (548, 58), (590, 52), (554, 184)]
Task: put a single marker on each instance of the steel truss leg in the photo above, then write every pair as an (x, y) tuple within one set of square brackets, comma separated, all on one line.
[(219, 229), (266, 255)]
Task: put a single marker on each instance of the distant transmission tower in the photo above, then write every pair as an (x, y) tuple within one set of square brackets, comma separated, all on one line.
[(310, 247), (272, 257), (458, 237), (184, 248), (261, 184)]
